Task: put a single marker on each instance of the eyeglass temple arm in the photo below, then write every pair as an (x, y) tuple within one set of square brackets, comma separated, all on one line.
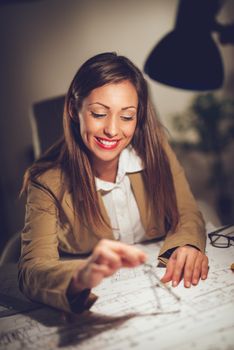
[(220, 229)]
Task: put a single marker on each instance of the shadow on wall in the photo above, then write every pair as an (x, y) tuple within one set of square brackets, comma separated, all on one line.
[(208, 160)]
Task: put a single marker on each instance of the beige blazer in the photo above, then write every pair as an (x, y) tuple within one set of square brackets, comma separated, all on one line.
[(44, 275)]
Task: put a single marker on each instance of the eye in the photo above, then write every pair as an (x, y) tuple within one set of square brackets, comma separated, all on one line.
[(98, 115), (126, 118)]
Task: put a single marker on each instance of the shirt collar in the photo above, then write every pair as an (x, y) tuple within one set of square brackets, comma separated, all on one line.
[(129, 162)]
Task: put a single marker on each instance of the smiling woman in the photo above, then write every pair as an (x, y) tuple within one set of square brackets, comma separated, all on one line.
[(108, 119), (110, 182)]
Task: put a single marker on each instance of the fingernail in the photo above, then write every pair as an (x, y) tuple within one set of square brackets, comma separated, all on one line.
[(195, 281), (203, 277), (187, 284), (174, 283)]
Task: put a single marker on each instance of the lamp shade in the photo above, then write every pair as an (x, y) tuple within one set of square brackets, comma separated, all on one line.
[(187, 57), (187, 62)]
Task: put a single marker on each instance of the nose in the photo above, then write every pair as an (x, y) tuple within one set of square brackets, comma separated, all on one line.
[(111, 128)]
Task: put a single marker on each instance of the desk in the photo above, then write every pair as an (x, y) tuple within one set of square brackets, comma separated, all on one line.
[(127, 314)]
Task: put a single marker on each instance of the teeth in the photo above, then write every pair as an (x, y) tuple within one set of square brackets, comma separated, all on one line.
[(107, 143)]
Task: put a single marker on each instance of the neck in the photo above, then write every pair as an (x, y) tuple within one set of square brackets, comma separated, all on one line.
[(106, 171)]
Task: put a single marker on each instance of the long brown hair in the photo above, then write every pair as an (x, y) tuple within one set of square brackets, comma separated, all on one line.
[(71, 155)]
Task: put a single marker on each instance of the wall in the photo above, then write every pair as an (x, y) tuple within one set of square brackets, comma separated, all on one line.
[(43, 43)]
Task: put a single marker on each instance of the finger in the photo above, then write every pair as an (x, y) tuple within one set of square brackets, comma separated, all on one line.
[(105, 256), (197, 270), (205, 268), (132, 256), (103, 270), (131, 263), (169, 269), (189, 268), (179, 266), (95, 274)]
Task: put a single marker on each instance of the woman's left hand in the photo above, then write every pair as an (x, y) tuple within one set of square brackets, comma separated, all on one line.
[(188, 263)]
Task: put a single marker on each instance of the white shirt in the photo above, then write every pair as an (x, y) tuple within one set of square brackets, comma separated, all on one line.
[(120, 202)]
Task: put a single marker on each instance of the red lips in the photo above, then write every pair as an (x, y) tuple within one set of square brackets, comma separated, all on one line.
[(107, 144)]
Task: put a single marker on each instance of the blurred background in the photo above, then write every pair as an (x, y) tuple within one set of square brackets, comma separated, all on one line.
[(42, 45)]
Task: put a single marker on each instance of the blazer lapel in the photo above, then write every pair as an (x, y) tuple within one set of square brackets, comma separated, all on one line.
[(153, 226), (139, 193), (101, 233), (104, 232)]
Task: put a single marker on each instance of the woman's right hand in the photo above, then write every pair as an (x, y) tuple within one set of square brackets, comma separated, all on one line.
[(108, 256)]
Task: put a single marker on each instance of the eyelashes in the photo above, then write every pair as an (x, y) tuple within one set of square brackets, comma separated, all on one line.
[(97, 115), (126, 118), (100, 115)]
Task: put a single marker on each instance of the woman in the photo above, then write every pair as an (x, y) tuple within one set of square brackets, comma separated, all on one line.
[(112, 181)]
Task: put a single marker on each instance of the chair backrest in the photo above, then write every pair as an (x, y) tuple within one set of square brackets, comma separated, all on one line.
[(47, 123), (47, 127), (11, 251)]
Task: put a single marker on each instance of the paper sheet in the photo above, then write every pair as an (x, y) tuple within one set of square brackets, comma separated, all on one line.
[(133, 312)]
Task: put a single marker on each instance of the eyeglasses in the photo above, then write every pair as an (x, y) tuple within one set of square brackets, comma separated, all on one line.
[(221, 238)]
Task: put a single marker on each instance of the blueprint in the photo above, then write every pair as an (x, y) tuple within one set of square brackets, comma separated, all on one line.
[(135, 311)]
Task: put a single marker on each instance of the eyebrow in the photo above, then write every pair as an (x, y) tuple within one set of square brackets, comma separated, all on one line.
[(107, 107)]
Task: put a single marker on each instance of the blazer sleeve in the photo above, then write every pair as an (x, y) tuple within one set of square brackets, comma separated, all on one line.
[(191, 226), (42, 275)]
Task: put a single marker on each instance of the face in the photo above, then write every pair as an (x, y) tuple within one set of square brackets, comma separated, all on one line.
[(108, 118)]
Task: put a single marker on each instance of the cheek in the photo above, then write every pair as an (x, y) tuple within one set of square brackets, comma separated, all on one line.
[(84, 126), (81, 123), (83, 129), (130, 130), (89, 128)]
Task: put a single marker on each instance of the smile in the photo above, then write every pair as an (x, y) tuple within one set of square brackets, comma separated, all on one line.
[(106, 144)]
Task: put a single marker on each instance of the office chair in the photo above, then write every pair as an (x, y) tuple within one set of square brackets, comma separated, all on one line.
[(11, 251), (47, 125)]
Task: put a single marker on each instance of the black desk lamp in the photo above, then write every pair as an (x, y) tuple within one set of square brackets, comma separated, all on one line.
[(188, 57)]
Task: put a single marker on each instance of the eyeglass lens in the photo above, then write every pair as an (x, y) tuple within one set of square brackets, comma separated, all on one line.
[(220, 241)]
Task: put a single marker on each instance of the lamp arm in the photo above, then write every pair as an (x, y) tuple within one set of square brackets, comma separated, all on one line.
[(225, 32)]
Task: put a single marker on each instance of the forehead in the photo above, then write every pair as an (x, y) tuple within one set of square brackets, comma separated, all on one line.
[(123, 93)]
